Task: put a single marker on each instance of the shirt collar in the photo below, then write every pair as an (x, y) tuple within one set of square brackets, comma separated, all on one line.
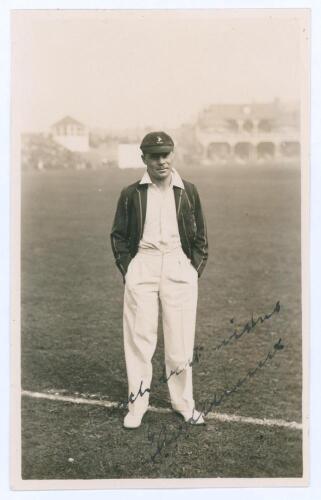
[(176, 179)]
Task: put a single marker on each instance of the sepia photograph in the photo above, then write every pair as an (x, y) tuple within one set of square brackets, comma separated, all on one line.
[(159, 195)]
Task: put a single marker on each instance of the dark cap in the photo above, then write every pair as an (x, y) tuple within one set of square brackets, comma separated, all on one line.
[(157, 142)]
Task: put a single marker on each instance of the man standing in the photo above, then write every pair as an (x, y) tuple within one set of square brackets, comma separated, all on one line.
[(160, 245)]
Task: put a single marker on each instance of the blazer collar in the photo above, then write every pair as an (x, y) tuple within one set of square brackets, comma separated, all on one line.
[(176, 179), (140, 201)]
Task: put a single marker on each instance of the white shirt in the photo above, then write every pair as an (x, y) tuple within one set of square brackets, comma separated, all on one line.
[(161, 228)]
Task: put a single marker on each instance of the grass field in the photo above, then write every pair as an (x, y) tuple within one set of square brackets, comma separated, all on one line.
[(72, 330)]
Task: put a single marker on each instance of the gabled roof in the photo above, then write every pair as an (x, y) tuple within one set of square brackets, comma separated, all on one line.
[(251, 110), (276, 111), (68, 120)]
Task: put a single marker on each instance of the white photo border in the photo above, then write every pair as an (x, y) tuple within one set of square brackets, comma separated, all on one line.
[(315, 249)]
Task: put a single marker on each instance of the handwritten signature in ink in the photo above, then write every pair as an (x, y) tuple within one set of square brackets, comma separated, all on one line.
[(248, 326), (163, 439)]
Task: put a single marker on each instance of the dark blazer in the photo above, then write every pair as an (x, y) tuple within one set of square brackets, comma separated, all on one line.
[(129, 220)]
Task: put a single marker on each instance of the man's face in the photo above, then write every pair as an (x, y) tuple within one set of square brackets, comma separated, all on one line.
[(158, 164)]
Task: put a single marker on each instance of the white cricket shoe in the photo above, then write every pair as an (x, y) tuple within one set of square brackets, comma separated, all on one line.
[(132, 421), (194, 417)]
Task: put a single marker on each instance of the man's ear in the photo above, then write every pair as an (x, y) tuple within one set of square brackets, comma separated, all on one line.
[(143, 158)]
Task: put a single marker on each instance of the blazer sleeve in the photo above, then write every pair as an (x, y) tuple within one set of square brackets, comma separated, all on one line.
[(200, 243), (119, 235)]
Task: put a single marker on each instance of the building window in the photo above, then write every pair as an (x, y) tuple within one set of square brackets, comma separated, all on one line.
[(219, 151), (264, 126), (248, 126), (243, 151), (290, 149), (232, 125), (265, 151)]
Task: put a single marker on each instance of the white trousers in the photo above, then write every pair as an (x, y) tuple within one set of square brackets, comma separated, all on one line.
[(170, 278)]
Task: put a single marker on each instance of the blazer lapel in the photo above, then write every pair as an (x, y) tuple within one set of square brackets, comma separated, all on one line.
[(140, 202), (178, 192)]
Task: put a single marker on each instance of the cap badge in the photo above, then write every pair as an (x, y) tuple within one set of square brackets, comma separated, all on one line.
[(159, 140)]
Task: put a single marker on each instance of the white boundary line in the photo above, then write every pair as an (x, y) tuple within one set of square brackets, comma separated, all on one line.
[(223, 417)]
